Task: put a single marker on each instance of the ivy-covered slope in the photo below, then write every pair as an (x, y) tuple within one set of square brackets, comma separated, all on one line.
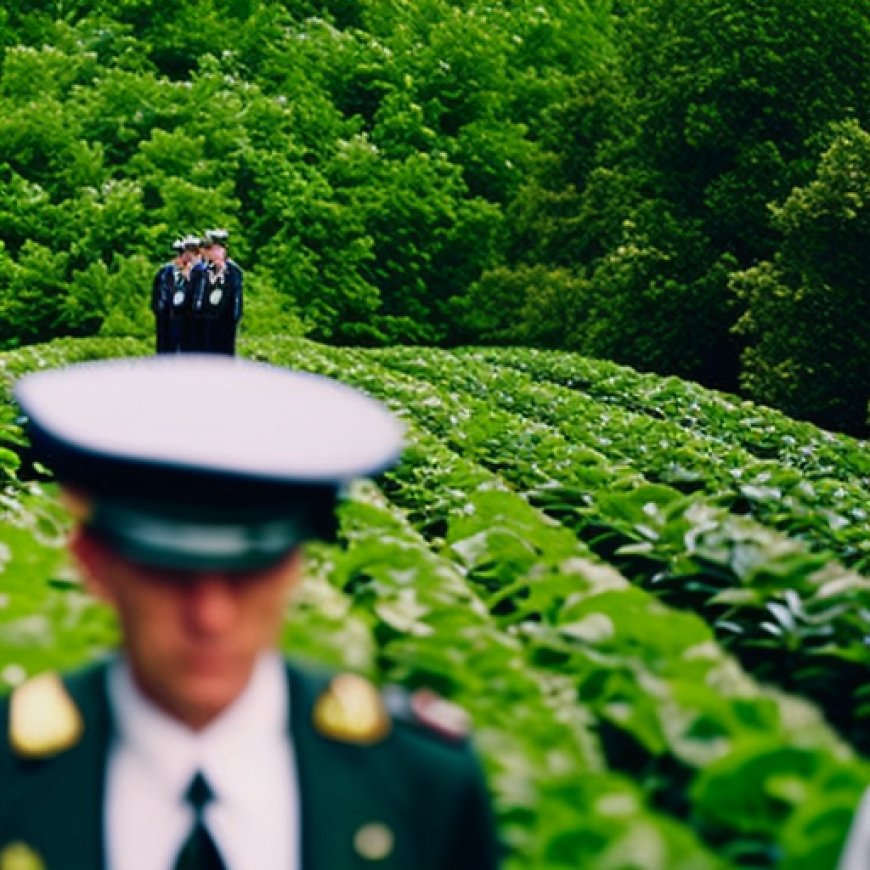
[(652, 599)]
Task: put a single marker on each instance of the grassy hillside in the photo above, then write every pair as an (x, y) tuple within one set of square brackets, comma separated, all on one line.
[(652, 598)]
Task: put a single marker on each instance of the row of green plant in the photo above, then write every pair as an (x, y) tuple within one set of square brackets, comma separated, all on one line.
[(617, 731), (384, 604), (763, 431), (829, 512), (558, 801), (793, 616), (670, 708)]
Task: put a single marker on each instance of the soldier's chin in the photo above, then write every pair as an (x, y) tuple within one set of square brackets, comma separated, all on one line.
[(203, 695), (206, 700)]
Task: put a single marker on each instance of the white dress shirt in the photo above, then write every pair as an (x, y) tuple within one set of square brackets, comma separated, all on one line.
[(245, 755), (856, 852)]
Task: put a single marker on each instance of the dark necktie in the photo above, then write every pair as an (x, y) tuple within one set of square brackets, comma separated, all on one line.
[(198, 852)]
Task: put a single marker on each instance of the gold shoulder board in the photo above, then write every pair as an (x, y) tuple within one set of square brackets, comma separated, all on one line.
[(351, 710), (43, 720)]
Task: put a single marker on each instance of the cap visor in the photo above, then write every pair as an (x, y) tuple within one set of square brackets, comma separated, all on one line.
[(196, 546)]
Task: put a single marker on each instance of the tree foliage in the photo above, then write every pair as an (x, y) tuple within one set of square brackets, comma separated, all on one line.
[(382, 166), (807, 308), (662, 166)]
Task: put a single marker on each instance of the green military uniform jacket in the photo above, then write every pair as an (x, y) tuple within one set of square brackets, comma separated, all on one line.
[(412, 799)]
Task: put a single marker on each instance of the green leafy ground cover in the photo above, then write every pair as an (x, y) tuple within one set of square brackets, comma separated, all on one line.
[(649, 597)]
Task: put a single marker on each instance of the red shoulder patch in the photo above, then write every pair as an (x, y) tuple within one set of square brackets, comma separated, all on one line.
[(439, 715)]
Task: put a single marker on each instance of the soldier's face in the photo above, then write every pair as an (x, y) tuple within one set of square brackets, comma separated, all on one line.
[(191, 638)]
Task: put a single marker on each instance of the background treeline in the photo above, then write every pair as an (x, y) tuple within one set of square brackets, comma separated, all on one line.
[(681, 186)]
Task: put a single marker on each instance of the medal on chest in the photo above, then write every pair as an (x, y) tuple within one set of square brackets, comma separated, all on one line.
[(216, 279)]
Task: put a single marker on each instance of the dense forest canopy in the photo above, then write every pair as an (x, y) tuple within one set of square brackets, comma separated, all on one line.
[(680, 186)]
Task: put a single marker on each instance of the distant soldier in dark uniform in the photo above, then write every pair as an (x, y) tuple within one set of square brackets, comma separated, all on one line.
[(161, 297), (198, 745), (217, 298), (180, 326)]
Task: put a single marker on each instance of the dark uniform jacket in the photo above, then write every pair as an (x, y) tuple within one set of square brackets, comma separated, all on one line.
[(217, 308), (180, 316), (423, 788), (161, 300)]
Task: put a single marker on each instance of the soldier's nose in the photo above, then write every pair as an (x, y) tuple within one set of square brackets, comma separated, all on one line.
[(210, 603)]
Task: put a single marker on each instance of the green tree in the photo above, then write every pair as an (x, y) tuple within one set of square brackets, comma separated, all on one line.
[(526, 305), (730, 95), (116, 292), (35, 304), (430, 241), (713, 110), (808, 308)]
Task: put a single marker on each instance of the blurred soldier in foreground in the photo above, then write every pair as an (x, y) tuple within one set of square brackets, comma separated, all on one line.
[(198, 739), (161, 297), (217, 298)]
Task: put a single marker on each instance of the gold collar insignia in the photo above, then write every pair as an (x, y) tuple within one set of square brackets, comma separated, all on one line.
[(351, 710)]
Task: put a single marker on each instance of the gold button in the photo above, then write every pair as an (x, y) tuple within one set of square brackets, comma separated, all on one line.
[(374, 841), (18, 856)]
